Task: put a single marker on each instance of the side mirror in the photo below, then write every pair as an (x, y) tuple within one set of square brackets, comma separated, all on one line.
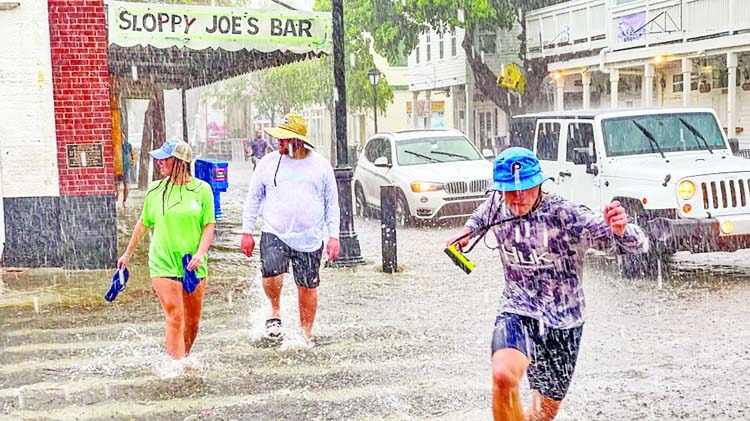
[(581, 156), (734, 145), (488, 154), (382, 162)]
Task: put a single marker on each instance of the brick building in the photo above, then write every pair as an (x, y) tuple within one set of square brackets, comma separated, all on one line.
[(56, 162), (61, 78)]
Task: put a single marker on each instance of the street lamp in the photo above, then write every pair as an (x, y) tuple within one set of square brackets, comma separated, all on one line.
[(374, 75), (350, 254)]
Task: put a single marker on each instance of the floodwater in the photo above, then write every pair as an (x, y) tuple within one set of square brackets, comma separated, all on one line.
[(412, 345)]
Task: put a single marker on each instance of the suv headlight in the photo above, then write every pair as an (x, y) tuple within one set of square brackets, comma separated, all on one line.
[(421, 187), (686, 190)]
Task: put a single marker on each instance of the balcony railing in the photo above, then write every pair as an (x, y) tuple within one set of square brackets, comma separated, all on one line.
[(567, 27), (580, 25)]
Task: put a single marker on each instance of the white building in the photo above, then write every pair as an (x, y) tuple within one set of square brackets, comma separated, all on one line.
[(442, 83), (631, 53)]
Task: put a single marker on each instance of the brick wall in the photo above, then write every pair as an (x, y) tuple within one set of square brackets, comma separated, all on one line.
[(78, 44)]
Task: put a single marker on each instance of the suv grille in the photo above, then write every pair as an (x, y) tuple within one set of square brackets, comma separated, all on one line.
[(462, 187), (726, 194)]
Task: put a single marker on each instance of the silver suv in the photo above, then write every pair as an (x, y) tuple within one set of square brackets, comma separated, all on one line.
[(439, 174)]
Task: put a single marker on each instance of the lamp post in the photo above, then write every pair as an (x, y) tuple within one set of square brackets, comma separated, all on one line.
[(374, 75), (350, 254)]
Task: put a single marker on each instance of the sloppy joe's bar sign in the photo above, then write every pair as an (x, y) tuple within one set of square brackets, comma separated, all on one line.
[(202, 26)]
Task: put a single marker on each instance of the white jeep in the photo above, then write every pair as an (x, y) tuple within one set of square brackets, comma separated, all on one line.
[(672, 169)]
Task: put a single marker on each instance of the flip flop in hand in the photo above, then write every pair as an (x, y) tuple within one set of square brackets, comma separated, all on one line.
[(119, 281), (189, 279)]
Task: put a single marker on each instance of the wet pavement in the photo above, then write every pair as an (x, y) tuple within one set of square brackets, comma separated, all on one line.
[(412, 345)]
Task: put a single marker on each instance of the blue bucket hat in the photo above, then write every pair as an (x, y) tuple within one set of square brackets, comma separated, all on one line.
[(516, 169)]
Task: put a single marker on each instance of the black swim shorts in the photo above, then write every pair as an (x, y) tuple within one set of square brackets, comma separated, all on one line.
[(276, 254), (553, 352)]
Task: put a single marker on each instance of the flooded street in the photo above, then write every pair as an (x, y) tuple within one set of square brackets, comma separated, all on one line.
[(414, 345)]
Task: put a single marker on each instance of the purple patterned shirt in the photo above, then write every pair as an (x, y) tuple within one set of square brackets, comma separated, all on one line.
[(542, 254)]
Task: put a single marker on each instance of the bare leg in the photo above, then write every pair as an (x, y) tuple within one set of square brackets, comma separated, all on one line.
[(125, 192), (308, 306), (193, 305), (170, 296), (542, 408), (508, 367), (272, 287)]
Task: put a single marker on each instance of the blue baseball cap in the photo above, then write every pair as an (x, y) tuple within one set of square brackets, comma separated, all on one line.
[(176, 148), (516, 169)]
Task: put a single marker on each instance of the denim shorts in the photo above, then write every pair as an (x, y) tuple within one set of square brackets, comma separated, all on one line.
[(275, 255), (553, 352)]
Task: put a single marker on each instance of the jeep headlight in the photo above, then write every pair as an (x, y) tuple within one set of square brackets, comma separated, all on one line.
[(421, 187), (686, 190)]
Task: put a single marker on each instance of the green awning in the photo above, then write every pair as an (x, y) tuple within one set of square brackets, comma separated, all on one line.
[(181, 46)]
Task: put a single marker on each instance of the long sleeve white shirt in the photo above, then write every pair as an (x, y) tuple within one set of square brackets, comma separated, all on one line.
[(299, 200)]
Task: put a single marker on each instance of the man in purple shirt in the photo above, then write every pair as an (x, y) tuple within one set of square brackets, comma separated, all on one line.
[(258, 148), (540, 317)]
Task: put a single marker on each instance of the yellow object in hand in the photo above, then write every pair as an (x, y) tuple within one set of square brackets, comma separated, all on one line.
[(459, 259)]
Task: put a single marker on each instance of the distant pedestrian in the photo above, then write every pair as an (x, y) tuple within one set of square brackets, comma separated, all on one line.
[(180, 210), (128, 162), (258, 148), (542, 239), (299, 194)]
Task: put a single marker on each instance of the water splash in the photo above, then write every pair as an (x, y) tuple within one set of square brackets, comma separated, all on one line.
[(132, 351), (294, 343), (659, 277), (21, 401), (166, 367)]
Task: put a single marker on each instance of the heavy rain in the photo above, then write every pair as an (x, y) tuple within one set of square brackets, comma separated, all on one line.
[(542, 208)]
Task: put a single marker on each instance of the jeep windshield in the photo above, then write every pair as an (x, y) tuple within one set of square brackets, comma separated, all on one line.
[(435, 149), (628, 135)]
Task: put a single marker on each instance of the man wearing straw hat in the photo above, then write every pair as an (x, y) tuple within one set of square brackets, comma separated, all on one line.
[(299, 194)]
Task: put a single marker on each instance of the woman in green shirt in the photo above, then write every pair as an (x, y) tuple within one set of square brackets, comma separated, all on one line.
[(180, 210)]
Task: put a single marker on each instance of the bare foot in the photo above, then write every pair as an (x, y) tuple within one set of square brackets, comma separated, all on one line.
[(310, 340)]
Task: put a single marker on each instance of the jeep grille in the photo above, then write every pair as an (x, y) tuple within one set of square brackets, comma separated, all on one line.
[(462, 187), (725, 194)]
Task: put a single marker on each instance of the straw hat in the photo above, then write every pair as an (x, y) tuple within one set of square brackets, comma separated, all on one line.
[(293, 126)]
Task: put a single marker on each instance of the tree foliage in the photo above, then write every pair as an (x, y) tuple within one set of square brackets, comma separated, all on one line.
[(310, 82), (399, 23), (359, 91)]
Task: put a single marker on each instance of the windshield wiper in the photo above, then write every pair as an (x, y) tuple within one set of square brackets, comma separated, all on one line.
[(455, 155), (696, 133), (650, 137), (422, 156)]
